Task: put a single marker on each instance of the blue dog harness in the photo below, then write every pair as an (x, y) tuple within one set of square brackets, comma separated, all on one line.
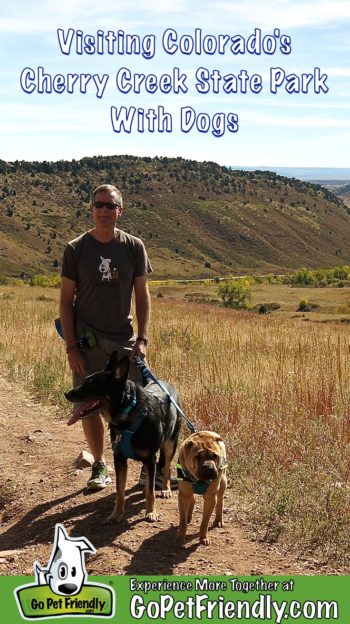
[(123, 443), (199, 487)]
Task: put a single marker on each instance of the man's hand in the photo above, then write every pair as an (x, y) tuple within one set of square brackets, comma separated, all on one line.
[(77, 362), (139, 349)]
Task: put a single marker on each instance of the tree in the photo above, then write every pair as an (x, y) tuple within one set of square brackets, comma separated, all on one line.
[(235, 293)]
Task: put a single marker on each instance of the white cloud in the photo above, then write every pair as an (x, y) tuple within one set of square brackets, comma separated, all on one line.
[(339, 72), (227, 15), (287, 13), (52, 118), (259, 119), (46, 17)]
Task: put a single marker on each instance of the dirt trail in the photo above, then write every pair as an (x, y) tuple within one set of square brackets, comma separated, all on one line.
[(40, 486)]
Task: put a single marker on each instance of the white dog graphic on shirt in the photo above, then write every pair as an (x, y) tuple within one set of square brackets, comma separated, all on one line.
[(105, 268)]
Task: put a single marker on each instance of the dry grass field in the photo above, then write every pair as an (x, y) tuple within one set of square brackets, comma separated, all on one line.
[(277, 386)]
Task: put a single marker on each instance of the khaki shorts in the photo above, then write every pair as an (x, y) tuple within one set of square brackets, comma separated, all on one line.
[(97, 358)]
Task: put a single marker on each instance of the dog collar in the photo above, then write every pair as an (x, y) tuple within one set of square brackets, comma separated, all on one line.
[(199, 487), (223, 464), (131, 405)]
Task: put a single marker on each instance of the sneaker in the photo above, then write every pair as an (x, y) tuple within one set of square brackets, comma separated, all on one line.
[(99, 476), (159, 480)]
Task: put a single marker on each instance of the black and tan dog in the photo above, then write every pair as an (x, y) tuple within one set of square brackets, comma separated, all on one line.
[(201, 470), (142, 421)]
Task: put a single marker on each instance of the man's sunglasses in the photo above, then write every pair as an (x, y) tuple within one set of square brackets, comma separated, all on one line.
[(109, 205)]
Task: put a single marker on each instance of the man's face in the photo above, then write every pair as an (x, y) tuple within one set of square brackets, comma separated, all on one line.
[(105, 216)]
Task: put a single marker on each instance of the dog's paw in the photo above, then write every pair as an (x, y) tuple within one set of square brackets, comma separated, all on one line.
[(205, 541), (114, 518), (180, 539), (166, 493), (218, 523), (152, 516)]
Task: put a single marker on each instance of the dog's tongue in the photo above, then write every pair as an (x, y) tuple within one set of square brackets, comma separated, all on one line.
[(82, 409)]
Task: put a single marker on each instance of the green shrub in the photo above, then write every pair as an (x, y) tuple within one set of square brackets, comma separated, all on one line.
[(304, 276), (46, 281), (319, 277), (303, 305), (235, 293)]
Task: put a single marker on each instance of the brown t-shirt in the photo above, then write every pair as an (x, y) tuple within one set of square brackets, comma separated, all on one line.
[(104, 274)]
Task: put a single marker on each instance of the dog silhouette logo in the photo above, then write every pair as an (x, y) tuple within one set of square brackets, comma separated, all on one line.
[(105, 268), (66, 572), (61, 588)]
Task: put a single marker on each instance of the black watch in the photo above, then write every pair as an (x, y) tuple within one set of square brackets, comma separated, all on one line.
[(142, 339)]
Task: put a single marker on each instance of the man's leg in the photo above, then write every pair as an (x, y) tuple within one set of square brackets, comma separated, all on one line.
[(94, 430), (93, 426)]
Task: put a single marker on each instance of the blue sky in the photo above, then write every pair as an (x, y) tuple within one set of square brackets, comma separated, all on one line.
[(282, 129)]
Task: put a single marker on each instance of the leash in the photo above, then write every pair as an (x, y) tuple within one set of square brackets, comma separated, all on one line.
[(88, 340), (149, 375)]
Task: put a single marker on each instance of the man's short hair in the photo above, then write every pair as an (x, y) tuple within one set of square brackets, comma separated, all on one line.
[(110, 189)]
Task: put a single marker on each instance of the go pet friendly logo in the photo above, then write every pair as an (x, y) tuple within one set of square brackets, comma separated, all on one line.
[(60, 589)]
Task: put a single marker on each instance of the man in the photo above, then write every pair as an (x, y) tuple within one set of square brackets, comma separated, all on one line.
[(100, 271)]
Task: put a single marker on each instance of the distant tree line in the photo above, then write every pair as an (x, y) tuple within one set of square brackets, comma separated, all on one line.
[(179, 168)]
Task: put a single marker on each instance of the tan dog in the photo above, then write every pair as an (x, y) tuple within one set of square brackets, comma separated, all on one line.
[(201, 470)]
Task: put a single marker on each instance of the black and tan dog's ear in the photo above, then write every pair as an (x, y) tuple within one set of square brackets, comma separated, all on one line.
[(122, 368), (112, 362)]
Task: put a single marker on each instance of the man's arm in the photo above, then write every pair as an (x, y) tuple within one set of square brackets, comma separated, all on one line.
[(67, 311), (75, 357), (143, 313)]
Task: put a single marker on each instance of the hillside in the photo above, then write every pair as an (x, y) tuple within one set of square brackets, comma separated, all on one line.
[(344, 194), (197, 219)]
